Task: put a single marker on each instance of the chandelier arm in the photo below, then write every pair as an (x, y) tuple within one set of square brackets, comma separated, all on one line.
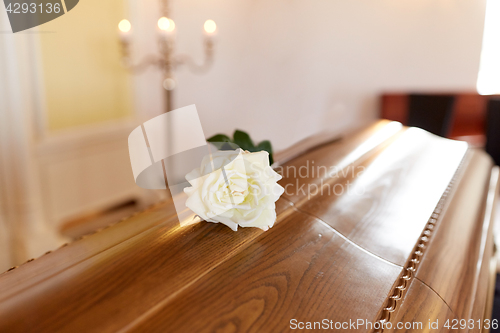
[(147, 61), (184, 59)]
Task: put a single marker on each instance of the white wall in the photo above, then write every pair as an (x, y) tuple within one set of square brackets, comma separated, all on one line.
[(285, 69)]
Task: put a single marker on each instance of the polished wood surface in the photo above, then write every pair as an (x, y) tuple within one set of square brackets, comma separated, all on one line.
[(407, 239), (420, 309), (465, 232), (378, 212), (290, 273)]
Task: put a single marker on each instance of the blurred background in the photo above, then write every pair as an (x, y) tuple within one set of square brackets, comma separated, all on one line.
[(70, 90)]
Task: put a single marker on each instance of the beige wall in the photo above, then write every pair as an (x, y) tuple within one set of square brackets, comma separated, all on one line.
[(83, 79), (287, 68)]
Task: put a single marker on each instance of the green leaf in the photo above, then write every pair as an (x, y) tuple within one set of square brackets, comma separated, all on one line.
[(266, 145), (219, 138), (226, 145), (242, 139)]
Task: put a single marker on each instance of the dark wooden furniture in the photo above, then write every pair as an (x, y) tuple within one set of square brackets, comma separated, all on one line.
[(468, 115), (493, 130), (397, 229), (432, 113)]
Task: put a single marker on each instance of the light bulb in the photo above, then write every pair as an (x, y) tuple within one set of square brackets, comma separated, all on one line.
[(124, 26), (166, 24), (210, 27)]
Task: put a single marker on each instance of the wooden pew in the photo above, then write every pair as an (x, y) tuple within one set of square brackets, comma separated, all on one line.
[(469, 114)]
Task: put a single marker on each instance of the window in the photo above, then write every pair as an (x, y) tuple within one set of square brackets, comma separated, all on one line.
[(488, 81)]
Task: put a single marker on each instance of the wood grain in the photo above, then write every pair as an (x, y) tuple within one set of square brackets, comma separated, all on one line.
[(375, 209), (421, 306), (71, 254), (309, 168), (329, 256), (303, 270), (142, 270), (457, 249)]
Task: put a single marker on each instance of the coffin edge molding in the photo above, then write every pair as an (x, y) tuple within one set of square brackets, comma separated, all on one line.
[(410, 269), (327, 278)]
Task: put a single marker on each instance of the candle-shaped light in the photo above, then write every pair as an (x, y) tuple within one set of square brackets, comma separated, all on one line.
[(209, 28), (124, 28), (167, 27)]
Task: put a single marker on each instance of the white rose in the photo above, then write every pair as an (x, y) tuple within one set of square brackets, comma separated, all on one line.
[(241, 191)]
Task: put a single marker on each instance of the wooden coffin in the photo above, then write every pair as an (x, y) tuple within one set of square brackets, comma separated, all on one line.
[(398, 230)]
